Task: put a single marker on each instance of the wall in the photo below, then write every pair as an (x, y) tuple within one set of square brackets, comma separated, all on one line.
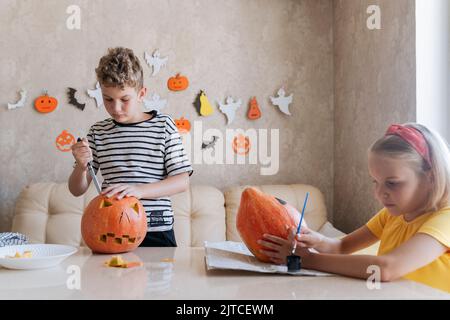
[(240, 48), (374, 87)]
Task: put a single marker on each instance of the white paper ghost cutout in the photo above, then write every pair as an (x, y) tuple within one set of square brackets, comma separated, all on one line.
[(96, 94), (229, 109), (155, 61), (155, 103), (23, 97), (282, 101)]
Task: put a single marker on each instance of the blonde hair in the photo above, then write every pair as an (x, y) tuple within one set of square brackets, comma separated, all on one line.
[(119, 68), (396, 147)]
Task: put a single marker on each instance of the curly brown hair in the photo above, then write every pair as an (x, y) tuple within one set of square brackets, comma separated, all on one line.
[(119, 68)]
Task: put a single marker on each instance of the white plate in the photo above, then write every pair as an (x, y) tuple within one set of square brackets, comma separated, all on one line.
[(43, 255)]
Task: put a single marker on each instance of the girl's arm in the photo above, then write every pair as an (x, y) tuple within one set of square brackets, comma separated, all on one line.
[(164, 188), (417, 252)]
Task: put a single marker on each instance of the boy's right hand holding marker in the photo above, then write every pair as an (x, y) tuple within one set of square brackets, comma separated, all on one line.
[(82, 153)]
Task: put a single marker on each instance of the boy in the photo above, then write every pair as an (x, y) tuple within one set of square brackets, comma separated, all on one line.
[(139, 153)]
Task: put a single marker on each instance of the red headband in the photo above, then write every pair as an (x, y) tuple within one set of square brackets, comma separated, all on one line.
[(413, 137)]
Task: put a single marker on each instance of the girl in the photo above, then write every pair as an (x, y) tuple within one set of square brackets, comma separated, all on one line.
[(410, 167)]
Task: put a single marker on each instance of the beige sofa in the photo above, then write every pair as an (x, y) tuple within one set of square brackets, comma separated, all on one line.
[(48, 213)]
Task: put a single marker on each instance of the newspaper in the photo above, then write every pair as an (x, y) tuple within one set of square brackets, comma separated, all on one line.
[(235, 256)]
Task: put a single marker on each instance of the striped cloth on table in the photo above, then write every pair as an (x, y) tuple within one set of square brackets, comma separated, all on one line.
[(12, 238)]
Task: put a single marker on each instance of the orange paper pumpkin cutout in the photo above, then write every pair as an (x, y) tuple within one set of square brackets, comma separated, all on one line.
[(183, 125), (178, 83), (65, 141), (253, 111), (45, 103), (241, 145)]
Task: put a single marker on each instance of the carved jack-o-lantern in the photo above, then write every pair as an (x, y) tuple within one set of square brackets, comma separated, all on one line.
[(183, 125), (110, 225), (241, 144), (65, 141)]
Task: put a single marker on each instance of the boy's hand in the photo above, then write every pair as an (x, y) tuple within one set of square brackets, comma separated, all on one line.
[(82, 153), (123, 190)]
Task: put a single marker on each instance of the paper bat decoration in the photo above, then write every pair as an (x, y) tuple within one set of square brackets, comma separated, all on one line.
[(210, 144), (23, 97), (155, 61), (202, 104), (73, 101), (282, 101), (229, 108), (96, 94), (155, 103)]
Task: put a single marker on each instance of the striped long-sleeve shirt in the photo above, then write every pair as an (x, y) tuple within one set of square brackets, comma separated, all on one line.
[(144, 152)]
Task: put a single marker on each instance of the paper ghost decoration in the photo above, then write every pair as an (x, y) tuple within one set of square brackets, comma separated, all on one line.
[(282, 101), (202, 104), (210, 144), (155, 61), (155, 103), (73, 101), (96, 94), (254, 112), (229, 108), (19, 104)]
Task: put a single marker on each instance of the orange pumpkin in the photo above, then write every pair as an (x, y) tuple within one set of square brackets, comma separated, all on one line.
[(65, 141), (110, 225), (241, 145), (178, 83), (253, 111), (260, 214), (183, 125), (45, 103)]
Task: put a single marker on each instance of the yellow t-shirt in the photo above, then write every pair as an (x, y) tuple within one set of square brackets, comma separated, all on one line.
[(394, 230)]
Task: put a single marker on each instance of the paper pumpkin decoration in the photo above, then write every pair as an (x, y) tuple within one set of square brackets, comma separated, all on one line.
[(110, 225), (202, 105), (64, 141), (155, 61), (254, 112), (96, 94), (241, 145), (229, 108), (73, 101), (282, 102), (45, 103), (183, 125), (155, 103), (178, 83), (260, 214), (19, 104)]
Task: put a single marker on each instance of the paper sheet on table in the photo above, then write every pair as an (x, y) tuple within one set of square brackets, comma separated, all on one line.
[(235, 256)]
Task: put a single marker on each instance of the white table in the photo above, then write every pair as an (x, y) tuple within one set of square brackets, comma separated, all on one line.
[(180, 273)]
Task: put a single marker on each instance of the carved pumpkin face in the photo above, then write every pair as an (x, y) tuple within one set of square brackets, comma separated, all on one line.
[(183, 125), (253, 111), (260, 214), (110, 225), (241, 144), (177, 83), (65, 141), (45, 103)]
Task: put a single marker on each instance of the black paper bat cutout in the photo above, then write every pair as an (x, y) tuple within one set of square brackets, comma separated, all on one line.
[(210, 144), (73, 101)]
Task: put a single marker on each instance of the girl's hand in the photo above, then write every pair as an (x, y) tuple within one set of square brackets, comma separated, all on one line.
[(278, 248), (123, 190), (309, 239), (82, 153)]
